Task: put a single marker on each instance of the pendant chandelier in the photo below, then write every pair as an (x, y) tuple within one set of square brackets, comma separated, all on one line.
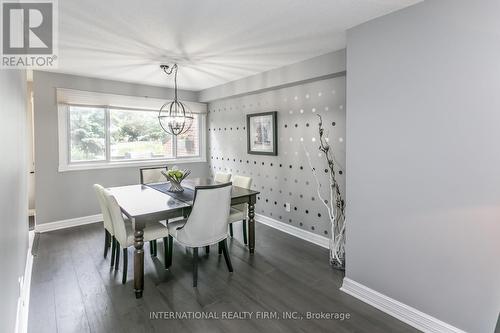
[(174, 117)]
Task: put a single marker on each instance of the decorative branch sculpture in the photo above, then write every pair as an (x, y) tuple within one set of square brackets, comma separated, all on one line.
[(336, 204)]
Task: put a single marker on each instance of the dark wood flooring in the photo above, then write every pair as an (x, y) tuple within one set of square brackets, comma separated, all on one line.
[(74, 290)]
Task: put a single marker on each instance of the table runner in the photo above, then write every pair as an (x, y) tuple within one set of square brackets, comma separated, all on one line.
[(187, 195)]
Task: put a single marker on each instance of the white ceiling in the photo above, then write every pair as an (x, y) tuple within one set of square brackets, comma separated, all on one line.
[(213, 41)]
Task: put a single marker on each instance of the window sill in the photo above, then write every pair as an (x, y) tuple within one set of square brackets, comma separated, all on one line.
[(128, 164)]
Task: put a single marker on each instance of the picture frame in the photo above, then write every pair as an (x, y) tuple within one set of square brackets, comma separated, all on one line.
[(262, 133)]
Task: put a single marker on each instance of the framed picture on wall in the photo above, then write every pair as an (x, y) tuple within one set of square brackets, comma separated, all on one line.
[(262, 133)]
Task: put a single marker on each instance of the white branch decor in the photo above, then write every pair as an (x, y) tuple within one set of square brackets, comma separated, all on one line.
[(335, 205)]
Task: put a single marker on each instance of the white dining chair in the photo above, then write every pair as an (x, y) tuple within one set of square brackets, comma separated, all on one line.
[(152, 175), (206, 225), (239, 212), (109, 235), (222, 177), (124, 232)]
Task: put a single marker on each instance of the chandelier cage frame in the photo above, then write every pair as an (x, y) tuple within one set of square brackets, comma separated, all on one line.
[(171, 113)]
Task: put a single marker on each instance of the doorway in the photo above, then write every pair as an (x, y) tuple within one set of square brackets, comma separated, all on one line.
[(30, 152)]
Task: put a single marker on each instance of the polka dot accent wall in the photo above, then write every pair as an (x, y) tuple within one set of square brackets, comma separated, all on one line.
[(286, 178)]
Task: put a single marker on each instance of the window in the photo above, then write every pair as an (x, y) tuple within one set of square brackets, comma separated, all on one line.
[(97, 137), (137, 135), (188, 143), (88, 134)]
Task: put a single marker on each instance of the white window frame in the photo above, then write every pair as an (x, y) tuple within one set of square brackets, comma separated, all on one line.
[(65, 145)]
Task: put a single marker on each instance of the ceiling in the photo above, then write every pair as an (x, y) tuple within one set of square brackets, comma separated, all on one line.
[(213, 41)]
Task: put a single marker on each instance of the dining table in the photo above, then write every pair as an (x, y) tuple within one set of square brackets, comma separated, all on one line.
[(150, 203)]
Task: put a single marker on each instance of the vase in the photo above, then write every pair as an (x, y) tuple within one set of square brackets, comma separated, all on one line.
[(175, 186)]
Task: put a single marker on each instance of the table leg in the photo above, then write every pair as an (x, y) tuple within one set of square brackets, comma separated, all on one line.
[(139, 259), (251, 225)]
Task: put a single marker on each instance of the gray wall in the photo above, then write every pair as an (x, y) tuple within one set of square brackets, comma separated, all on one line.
[(66, 195), (423, 181), (286, 177), (13, 192), (310, 69)]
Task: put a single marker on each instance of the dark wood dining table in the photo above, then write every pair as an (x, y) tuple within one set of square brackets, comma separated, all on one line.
[(149, 203)]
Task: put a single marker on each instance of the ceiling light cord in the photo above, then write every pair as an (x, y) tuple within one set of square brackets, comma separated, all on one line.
[(168, 70)]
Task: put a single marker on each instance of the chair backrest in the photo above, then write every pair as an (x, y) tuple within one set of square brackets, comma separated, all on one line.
[(242, 181), (108, 225), (116, 217), (207, 223), (222, 177), (152, 175)]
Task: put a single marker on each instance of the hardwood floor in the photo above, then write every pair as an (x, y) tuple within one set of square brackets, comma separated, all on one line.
[(74, 290)]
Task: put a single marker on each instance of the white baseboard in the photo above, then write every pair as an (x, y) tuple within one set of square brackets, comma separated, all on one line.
[(63, 224), (294, 231), (403, 312), (23, 303)]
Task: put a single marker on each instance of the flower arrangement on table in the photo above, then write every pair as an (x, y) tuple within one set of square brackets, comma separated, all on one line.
[(175, 177)]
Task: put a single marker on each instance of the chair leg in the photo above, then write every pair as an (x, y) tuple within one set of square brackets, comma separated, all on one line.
[(152, 248), (195, 267), (207, 250), (245, 232), (106, 243), (125, 265), (170, 250), (226, 255), (166, 250), (231, 229), (113, 249), (117, 261), (220, 248)]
